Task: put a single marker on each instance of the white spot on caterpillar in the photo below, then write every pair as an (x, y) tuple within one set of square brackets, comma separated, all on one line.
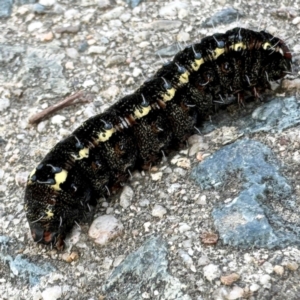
[(83, 153), (197, 63), (217, 52), (48, 214), (141, 112), (238, 46), (30, 176), (59, 178), (169, 94), (104, 136), (266, 46), (184, 78)]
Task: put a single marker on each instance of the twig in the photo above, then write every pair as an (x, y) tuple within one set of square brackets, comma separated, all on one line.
[(64, 103)]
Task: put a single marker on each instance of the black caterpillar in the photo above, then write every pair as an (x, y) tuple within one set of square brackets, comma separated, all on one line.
[(137, 130)]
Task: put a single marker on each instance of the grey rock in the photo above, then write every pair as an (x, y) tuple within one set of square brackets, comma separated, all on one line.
[(4, 104), (126, 196), (3, 241), (5, 8), (115, 60), (168, 51), (38, 8), (20, 266), (274, 116), (249, 220), (22, 2), (68, 29), (2, 141), (161, 25), (225, 16), (144, 271), (113, 14), (38, 69), (83, 46), (72, 53), (133, 3)]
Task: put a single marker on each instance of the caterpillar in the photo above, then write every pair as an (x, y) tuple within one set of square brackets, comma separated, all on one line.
[(135, 132)]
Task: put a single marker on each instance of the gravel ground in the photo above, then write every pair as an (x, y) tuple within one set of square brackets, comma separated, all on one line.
[(53, 48)]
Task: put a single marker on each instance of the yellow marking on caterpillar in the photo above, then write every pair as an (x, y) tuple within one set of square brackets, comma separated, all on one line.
[(83, 153), (30, 175), (217, 52), (197, 63), (59, 178), (104, 136), (238, 46), (266, 46), (169, 94), (141, 112), (48, 214), (184, 78)]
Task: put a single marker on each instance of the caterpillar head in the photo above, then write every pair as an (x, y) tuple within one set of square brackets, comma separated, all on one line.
[(54, 200)]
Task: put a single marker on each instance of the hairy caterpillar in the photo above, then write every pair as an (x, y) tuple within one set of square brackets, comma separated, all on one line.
[(137, 130)]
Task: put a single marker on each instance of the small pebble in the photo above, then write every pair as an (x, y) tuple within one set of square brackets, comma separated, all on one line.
[(265, 279), (291, 265), (186, 258), (279, 270), (46, 37), (236, 293), (97, 50), (201, 200), (69, 257), (33, 26), (105, 228), (136, 72), (182, 14), (230, 279), (126, 196), (118, 260), (4, 104), (296, 21), (144, 202), (113, 14), (164, 25), (88, 83), (52, 293), (268, 267), (68, 29), (21, 178), (184, 227), (211, 272), (115, 60), (183, 37), (38, 8), (254, 287), (47, 2), (203, 260), (146, 226), (58, 119), (158, 211), (72, 53), (156, 176), (69, 65), (83, 46), (102, 4), (107, 263)]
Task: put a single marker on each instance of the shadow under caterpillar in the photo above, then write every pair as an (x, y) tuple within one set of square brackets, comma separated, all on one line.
[(136, 131)]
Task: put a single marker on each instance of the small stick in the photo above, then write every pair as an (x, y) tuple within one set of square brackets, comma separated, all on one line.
[(64, 103)]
